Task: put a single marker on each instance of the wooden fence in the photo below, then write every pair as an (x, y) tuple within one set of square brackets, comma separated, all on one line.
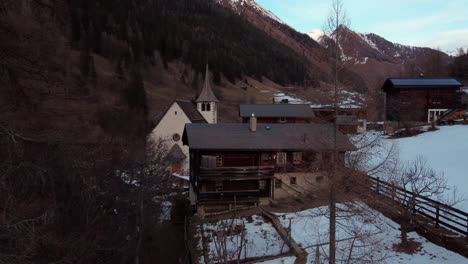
[(443, 215)]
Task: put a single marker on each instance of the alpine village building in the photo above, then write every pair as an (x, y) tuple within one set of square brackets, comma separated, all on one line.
[(250, 164), (421, 99), (171, 125), (277, 113)]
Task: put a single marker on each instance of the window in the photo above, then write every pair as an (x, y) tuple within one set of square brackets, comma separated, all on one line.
[(175, 113), (282, 119), (219, 186), (219, 161), (206, 107), (176, 137), (262, 184), (265, 157), (278, 183), (281, 158), (292, 180), (297, 157)]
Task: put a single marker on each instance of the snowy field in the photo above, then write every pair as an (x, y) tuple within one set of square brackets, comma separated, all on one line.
[(262, 240), (368, 233), (446, 151)]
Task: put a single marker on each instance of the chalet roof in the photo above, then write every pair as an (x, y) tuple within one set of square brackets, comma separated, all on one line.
[(347, 120), (421, 83), (276, 110), (268, 137), (176, 153), (207, 94), (191, 111)]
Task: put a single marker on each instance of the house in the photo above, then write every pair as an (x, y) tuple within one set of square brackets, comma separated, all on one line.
[(420, 99), (171, 125), (249, 164), (347, 124), (351, 120), (277, 113)]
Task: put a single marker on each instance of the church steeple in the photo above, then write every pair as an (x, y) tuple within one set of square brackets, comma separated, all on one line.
[(207, 101)]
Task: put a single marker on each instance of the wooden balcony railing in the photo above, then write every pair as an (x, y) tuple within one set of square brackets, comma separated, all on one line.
[(230, 196), (237, 173)]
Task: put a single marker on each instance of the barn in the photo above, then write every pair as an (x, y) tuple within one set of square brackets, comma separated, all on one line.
[(420, 99)]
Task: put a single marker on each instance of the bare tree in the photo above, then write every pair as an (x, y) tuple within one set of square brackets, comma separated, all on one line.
[(336, 19), (415, 176), (230, 240)]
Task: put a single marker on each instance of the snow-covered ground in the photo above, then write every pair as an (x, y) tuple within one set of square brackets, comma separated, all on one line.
[(375, 236), (446, 151), (262, 240), (347, 99)]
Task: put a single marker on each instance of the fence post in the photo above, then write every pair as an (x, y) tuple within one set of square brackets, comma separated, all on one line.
[(437, 217), (377, 185)]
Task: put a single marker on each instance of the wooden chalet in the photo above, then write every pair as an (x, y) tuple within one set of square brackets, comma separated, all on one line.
[(350, 120), (241, 164), (420, 99), (277, 113)]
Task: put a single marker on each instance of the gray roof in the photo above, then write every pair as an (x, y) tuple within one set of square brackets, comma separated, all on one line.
[(191, 111), (207, 94), (276, 110), (176, 154), (421, 83), (286, 137)]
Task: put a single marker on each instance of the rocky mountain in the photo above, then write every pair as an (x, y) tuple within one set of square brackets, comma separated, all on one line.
[(376, 58)]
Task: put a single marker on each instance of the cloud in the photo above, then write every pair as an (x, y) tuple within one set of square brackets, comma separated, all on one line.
[(419, 23), (447, 40)]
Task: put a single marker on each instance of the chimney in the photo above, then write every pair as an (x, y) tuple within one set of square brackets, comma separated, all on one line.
[(253, 123)]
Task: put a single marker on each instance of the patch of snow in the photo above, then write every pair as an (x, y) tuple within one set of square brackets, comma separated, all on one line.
[(316, 34), (365, 60), (358, 225), (256, 6), (182, 176), (291, 98), (283, 260), (265, 11), (446, 151), (262, 240), (369, 41)]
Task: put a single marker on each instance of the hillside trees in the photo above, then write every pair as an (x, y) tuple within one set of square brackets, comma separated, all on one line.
[(197, 32)]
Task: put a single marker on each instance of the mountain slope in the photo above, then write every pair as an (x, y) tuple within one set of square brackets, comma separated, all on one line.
[(376, 58)]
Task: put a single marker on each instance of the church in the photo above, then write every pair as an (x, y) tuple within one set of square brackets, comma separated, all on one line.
[(170, 126)]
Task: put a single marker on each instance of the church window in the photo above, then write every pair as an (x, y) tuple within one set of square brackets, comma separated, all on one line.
[(208, 107), (176, 137)]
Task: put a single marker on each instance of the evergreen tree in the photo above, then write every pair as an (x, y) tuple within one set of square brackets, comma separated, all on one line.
[(136, 94)]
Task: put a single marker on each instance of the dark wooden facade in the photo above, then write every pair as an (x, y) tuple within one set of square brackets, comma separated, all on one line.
[(244, 177), (414, 104), (412, 99)]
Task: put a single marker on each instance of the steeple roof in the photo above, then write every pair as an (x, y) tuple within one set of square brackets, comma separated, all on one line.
[(207, 94)]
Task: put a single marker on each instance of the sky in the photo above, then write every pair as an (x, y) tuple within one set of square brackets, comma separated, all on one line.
[(423, 23)]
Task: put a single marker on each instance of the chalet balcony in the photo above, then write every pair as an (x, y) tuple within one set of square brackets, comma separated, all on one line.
[(237, 173), (299, 167), (245, 196)]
